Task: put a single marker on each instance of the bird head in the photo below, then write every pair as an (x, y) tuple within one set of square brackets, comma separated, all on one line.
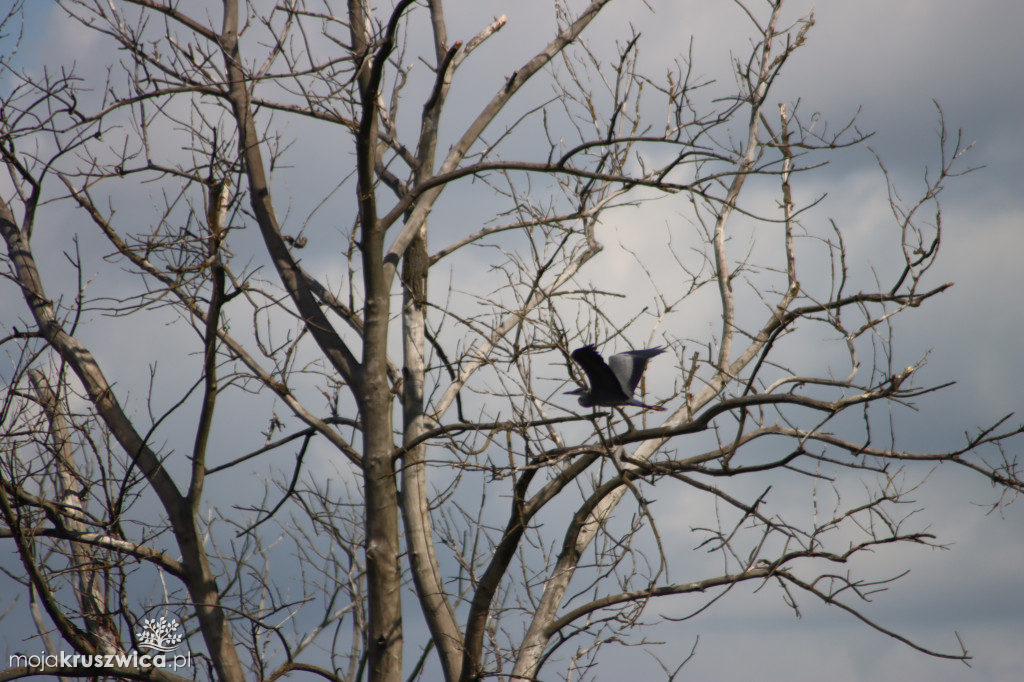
[(584, 396)]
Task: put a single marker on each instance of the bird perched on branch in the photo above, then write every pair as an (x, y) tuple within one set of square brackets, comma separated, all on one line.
[(612, 383)]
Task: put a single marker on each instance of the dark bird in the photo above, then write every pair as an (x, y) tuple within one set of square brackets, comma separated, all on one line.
[(612, 383)]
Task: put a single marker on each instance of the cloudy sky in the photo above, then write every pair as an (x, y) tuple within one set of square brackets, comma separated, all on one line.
[(891, 60), (894, 62)]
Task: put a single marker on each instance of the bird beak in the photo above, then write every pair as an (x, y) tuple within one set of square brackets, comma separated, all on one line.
[(575, 391)]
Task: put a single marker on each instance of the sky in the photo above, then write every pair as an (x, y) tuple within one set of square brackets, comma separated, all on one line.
[(893, 62)]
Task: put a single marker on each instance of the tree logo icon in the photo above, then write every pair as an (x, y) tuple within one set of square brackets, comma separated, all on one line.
[(161, 635)]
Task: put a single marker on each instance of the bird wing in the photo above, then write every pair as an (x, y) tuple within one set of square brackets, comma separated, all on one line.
[(601, 377), (629, 367)]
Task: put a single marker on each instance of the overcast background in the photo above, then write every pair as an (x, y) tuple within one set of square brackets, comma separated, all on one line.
[(891, 59)]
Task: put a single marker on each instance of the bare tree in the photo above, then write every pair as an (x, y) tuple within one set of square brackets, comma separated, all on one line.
[(445, 472)]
